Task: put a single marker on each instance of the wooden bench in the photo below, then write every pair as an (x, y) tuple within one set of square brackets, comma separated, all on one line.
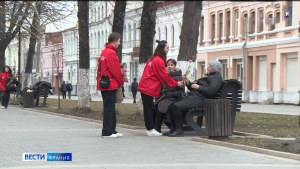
[(230, 89)]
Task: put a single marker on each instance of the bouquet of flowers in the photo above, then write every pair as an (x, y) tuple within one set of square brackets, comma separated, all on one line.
[(188, 69)]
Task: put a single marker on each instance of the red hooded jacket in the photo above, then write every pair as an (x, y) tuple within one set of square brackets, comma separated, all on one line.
[(110, 66), (154, 74), (3, 78)]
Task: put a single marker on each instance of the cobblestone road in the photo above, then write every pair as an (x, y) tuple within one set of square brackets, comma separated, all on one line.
[(24, 131)]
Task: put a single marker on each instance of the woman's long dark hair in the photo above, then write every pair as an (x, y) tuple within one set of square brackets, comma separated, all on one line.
[(9, 71), (159, 51)]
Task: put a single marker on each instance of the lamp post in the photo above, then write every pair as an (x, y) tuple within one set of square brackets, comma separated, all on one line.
[(19, 69)]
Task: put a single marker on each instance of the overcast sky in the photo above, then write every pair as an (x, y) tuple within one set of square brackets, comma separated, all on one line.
[(67, 23)]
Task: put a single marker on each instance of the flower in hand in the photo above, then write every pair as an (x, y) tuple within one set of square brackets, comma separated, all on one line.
[(195, 86), (125, 74), (185, 78)]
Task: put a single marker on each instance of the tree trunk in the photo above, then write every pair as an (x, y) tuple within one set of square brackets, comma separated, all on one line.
[(118, 24), (148, 22), (84, 57), (190, 30), (32, 43), (189, 36), (2, 34)]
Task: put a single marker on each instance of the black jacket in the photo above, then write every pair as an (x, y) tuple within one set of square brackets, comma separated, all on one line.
[(170, 94), (134, 86), (64, 87), (209, 86)]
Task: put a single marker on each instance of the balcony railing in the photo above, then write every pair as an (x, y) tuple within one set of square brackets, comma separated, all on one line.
[(131, 44)]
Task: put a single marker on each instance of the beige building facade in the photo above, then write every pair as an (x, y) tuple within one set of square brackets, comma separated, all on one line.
[(269, 32)]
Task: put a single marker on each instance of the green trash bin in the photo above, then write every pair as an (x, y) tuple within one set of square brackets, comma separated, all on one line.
[(28, 99)]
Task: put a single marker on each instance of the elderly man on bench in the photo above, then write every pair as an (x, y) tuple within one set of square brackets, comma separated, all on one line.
[(205, 88)]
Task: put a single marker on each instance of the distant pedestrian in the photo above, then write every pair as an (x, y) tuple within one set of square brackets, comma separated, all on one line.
[(69, 89), (134, 86), (64, 89), (109, 72), (4, 80)]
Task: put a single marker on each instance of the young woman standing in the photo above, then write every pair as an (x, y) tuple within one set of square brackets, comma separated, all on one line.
[(109, 65), (4, 76), (150, 84)]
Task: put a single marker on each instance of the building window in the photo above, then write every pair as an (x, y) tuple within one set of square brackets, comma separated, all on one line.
[(290, 18), (134, 31), (173, 44), (202, 30), (213, 29), (224, 69), (277, 17), (98, 13), (245, 25), (99, 45), (102, 10), (239, 70), (203, 70), (129, 32), (228, 26), (271, 22), (92, 12), (236, 23), (166, 33), (261, 16), (158, 33), (221, 28), (124, 33), (253, 23)]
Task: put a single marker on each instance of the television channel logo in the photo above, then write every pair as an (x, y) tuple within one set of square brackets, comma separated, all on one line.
[(47, 156)]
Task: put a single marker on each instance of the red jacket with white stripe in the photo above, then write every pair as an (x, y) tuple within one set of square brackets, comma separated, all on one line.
[(3, 78), (110, 66), (153, 76)]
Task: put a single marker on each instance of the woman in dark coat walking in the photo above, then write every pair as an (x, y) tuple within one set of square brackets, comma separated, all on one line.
[(168, 95), (204, 88)]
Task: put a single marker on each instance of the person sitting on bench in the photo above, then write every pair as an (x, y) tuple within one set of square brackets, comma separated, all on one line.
[(205, 88)]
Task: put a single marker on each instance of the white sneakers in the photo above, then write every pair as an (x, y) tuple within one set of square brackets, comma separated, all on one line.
[(113, 135), (2, 107), (153, 133)]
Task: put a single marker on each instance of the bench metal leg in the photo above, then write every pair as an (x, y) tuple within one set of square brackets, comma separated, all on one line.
[(194, 125)]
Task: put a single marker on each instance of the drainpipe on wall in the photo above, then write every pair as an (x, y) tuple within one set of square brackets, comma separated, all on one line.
[(243, 54)]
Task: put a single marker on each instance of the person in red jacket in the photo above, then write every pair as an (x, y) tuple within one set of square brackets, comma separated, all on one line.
[(4, 76), (109, 65), (153, 76)]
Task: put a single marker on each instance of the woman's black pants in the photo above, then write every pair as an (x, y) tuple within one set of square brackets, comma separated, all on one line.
[(109, 114), (149, 114), (5, 95)]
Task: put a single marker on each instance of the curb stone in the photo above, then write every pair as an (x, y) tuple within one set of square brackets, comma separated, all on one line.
[(249, 148)]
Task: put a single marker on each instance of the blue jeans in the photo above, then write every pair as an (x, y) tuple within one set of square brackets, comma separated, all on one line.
[(69, 94)]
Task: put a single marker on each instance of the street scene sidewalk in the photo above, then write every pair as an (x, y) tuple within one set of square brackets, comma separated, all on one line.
[(246, 107), (26, 131)]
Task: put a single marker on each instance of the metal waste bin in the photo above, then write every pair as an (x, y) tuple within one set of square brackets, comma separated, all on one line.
[(28, 99)]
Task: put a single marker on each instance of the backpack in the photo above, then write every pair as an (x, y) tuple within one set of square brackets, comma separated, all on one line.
[(69, 87)]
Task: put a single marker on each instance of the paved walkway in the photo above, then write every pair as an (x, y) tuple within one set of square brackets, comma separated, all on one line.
[(246, 107), (24, 131)]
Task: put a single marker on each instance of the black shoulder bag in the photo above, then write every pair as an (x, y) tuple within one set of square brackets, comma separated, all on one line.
[(104, 80)]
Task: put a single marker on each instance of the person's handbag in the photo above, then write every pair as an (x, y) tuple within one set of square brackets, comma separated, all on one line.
[(104, 82), (119, 95), (10, 86)]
